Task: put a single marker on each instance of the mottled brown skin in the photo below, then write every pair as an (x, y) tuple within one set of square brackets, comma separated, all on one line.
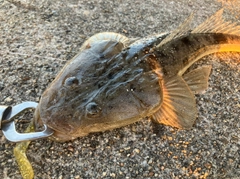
[(104, 87)]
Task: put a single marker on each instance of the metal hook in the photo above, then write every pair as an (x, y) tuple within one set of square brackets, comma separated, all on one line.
[(7, 125)]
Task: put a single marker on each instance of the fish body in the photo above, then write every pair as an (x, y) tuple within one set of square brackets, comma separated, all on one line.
[(115, 81)]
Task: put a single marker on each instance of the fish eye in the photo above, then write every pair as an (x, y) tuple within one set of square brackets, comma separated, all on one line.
[(93, 110), (71, 81)]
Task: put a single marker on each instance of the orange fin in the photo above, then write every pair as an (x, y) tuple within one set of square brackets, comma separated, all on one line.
[(197, 79), (178, 108)]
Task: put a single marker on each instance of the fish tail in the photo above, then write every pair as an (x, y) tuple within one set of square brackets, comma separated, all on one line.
[(229, 46), (177, 53), (225, 37)]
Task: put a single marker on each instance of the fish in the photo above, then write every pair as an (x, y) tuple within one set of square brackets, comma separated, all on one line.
[(115, 81)]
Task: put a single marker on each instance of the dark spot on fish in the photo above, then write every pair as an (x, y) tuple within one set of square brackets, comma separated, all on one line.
[(221, 38), (161, 54), (100, 84), (186, 41), (124, 54), (164, 71), (110, 107), (101, 56), (132, 87), (110, 75), (176, 48), (84, 100), (73, 105), (146, 51)]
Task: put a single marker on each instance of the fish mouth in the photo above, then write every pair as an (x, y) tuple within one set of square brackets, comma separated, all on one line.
[(65, 136), (38, 123)]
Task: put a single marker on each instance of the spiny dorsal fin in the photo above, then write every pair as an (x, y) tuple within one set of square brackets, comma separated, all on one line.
[(178, 108), (181, 30), (216, 24)]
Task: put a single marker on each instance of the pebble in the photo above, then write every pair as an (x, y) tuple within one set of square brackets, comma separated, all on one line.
[(8, 99)]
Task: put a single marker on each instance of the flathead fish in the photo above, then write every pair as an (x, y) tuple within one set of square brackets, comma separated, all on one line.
[(115, 81)]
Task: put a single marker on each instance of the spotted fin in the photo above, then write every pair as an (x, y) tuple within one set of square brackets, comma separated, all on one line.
[(178, 108), (197, 79)]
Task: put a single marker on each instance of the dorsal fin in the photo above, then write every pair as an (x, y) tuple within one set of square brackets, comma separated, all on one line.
[(181, 30), (216, 24)]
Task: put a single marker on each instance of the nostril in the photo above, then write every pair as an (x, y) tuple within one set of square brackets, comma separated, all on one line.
[(93, 110)]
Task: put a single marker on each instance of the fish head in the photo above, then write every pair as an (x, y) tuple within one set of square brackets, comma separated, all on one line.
[(99, 89)]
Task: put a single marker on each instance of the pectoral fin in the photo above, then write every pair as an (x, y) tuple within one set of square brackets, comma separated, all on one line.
[(178, 108), (197, 79)]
